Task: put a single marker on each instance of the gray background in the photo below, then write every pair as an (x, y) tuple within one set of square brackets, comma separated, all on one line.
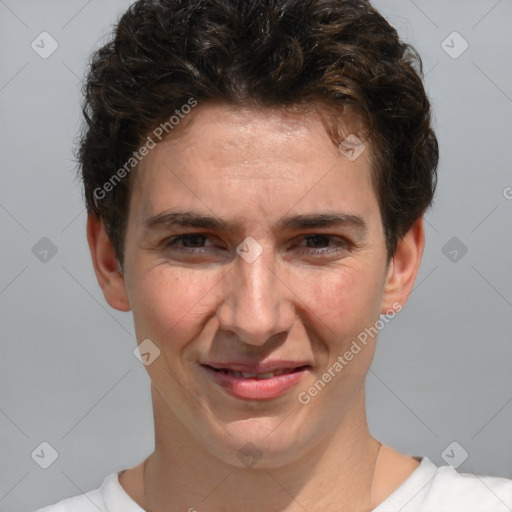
[(68, 374)]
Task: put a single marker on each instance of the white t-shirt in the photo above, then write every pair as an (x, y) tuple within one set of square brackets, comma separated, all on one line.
[(428, 489)]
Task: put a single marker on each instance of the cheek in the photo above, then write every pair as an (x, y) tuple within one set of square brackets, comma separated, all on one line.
[(346, 306), (170, 304), (345, 299)]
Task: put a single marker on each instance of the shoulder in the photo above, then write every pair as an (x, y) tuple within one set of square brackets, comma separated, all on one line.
[(469, 491), (444, 489), (92, 501)]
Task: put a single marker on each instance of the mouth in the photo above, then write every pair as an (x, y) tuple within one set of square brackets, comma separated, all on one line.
[(259, 376), (259, 384)]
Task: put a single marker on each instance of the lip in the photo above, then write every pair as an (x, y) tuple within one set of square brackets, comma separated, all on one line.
[(252, 388), (261, 367)]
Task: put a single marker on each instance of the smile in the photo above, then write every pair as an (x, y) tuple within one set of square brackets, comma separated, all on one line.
[(247, 375), (256, 385)]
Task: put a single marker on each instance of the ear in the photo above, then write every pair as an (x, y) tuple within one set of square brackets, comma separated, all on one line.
[(106, 265), (403, 268)]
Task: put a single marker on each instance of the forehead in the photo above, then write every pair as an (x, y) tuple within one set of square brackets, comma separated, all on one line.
[(241, 161)]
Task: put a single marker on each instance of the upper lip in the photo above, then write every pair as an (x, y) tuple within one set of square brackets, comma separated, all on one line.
[(262, 367)]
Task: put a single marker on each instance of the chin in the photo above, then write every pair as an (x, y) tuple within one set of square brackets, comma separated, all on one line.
[(258, 443)]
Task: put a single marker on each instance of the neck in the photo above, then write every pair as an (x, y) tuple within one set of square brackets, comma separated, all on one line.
[(337, 474)]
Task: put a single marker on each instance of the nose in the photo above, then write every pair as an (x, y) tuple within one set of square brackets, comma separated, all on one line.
[(258, 303)]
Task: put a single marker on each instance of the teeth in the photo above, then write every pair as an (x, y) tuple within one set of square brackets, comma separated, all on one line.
[(267, 375)]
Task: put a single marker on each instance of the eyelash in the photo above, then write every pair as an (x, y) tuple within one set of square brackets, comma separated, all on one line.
[(344, 244)]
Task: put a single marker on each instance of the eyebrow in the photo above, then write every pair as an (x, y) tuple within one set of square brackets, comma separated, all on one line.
[(188, 218)]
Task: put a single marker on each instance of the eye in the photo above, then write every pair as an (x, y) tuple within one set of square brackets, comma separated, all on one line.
[(186, 243), (315, 242)]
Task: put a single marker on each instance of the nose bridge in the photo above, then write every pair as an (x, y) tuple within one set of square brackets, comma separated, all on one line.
[(257, 306)]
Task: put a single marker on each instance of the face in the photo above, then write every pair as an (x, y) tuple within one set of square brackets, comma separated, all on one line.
[(254, 245)]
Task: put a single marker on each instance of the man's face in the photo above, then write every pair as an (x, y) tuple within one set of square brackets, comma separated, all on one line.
[(299, 304)]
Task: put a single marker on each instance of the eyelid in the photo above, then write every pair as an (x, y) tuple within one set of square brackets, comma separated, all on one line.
[(341, 242), (168, 242)]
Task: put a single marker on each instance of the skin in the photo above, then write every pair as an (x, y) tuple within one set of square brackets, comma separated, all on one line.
[(251, 168)]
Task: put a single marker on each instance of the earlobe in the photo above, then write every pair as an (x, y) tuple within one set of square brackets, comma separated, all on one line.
[(403, 268), (106, 265)]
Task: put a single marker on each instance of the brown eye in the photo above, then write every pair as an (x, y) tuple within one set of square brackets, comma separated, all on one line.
[(186, 242), (319, 244)]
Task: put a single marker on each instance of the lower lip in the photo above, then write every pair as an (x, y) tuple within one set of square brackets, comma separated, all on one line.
[(256, 389)]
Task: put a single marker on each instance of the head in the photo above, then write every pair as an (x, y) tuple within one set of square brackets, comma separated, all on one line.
[(246, 113)]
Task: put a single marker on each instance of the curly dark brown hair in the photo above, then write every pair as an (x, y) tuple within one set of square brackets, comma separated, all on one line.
[(326, 54)]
